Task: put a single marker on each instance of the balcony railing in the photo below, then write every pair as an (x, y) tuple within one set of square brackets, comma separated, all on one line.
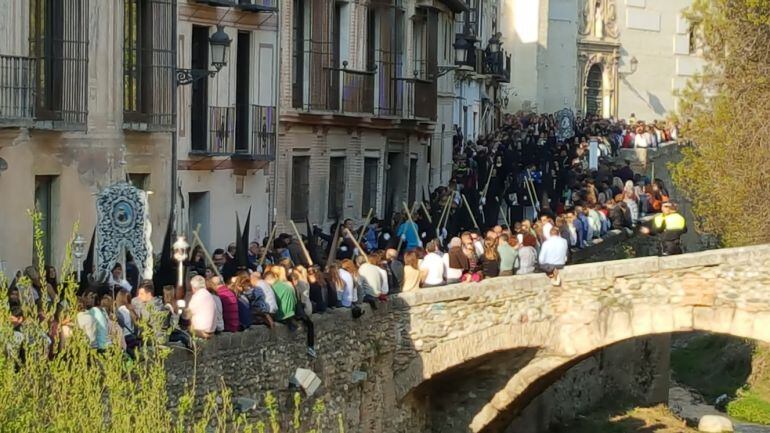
[(260, 141), (17, 89), (357, 94), (390, 90), (252, 138), (420, 99), (498, 65), (258, 5), (221, 135)]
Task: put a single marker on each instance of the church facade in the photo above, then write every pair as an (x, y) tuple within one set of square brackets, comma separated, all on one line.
[(613, 58)]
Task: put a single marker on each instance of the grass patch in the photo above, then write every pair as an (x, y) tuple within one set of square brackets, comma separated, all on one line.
[(750, 407)]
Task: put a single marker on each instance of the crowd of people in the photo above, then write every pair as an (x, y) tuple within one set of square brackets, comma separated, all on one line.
[(520, 201)]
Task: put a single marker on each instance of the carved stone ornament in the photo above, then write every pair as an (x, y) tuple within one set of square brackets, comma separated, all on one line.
[(123, 223), (599, 19)]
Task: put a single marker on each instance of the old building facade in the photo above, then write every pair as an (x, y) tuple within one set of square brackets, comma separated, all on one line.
[(85, 101), (607, 57), (320, 111), (480, 89), (360, 125), (227, 121)]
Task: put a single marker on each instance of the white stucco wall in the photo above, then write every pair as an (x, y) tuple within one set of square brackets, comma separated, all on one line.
[(558, 54), (653, 32), (520, 26)]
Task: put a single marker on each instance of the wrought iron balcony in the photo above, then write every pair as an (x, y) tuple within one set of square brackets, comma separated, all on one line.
[(256, 137), (17, 90), (220, 133), (338, 90), (258, 5), (390, 90), (498, 65), (216, 3), (244, 133), (357, 95)]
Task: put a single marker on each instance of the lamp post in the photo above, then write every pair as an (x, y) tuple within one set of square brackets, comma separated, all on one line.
[(220, 49), (78, 249), (494, 43), (180, 255), (461, 47)]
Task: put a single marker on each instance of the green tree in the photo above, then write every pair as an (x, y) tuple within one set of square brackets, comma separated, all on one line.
[(724, 111)]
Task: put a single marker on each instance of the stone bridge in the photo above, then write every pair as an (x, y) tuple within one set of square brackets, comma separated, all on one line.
[(409, 365)]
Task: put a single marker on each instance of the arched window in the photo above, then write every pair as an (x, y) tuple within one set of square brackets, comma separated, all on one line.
[(594, 90)]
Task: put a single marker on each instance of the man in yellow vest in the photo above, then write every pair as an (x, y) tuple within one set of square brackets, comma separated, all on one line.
[(669, 225)]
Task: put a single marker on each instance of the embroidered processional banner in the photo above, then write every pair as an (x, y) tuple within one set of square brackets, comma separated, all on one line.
[(123, 225), (565, 121)]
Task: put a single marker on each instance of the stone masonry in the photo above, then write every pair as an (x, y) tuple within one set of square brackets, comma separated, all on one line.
[(379, 371)]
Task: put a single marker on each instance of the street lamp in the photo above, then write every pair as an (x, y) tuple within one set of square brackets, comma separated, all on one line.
[(494, 43), (180, 255), (78, 250), (220, 48), (220, 51), (633, 64), (461, 49)]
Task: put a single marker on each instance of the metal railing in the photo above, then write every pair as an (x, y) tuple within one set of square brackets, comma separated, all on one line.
[(390, 90), (245, 132), (261, 136), (498, 65), (17, 88), (357, 95), (221, 134), (257, 5), (420, 99)]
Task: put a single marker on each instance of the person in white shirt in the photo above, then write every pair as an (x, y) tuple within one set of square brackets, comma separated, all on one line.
[(547, 226), (553, 256), (452, 275), (432, 266), (201, 311), (116, 278), (371, 274)]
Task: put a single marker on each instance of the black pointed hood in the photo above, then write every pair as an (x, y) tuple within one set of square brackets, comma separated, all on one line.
[(165, 273), (241, 255), (88, 264)]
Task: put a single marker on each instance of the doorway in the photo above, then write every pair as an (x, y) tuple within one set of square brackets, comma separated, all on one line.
[(200, 213), (199, 103), (394, 186), (594, 90), (242, 100)]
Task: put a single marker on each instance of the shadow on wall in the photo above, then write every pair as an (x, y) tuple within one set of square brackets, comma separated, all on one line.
[(651, 101)]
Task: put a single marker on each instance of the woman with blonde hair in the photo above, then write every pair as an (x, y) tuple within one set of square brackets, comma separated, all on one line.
[(412, 274), (362, 287), (299, 279), (490, 260)]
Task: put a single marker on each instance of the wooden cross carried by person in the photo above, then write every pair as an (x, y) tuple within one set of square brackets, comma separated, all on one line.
[(206, 254), (302, 244), (360, 250)]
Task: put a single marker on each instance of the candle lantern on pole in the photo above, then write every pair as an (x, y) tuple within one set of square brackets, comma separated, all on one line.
[(78, 250), (180, 255)]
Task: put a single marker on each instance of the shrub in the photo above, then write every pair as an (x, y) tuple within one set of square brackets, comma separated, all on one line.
[(66, 386)]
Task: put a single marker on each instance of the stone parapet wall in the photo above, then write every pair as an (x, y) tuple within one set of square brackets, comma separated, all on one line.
[(379, 371)]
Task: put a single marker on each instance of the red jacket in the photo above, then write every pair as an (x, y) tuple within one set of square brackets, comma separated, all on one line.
[(229, 308)]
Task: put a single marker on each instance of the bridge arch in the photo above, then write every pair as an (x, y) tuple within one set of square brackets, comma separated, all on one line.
[(723, 291)]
